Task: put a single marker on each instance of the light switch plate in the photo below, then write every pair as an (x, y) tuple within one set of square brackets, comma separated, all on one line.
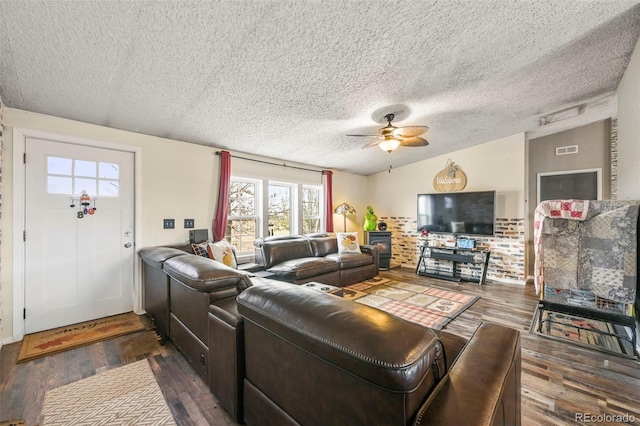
[(169, 223), (189, 223)]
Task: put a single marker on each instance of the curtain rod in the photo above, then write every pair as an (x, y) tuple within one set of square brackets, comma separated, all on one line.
[(273, 164)]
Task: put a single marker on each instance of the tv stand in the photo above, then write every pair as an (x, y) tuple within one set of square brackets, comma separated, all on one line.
[(454, 256)]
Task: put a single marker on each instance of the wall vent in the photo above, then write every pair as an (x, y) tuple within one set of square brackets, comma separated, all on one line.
[(564, 150)]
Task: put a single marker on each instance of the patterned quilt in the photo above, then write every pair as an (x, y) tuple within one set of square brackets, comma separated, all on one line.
[(597, 254)]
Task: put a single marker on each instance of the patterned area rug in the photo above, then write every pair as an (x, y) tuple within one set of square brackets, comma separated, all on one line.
[(64, 338), (128, 395), (424, 305)]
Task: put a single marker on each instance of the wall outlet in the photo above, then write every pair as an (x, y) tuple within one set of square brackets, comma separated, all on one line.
[(169, 223)]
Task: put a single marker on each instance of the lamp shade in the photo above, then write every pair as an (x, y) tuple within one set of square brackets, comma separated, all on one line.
[(389, 144), (344, 209)]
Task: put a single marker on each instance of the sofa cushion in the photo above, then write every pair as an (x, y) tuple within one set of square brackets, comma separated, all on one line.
[(204, 274), (156, 256), (323, 244), (304, 267), (277, 250), (348, 242), (351, 260), (200, 249), (222, 252)]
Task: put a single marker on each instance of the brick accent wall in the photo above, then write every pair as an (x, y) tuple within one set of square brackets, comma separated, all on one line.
[(507, 247)]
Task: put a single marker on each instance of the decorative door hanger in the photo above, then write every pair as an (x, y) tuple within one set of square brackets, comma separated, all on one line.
[(83, 205)]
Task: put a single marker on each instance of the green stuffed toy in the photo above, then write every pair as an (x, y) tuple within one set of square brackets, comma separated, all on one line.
[(370, 220)]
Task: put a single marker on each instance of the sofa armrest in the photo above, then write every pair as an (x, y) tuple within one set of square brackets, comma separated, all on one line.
[(483, 385), (376, 256)]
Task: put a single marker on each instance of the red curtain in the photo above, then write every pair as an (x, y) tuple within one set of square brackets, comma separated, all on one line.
[(222, 209), (328, 197)]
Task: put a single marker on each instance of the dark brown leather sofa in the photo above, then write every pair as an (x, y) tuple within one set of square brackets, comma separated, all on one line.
[(317, 359), (303, 258), (277, 353)]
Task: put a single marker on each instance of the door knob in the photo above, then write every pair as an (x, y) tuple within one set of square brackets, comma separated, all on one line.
[(127, 245)]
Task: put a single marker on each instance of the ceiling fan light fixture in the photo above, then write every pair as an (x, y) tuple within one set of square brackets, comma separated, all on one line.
[(389, 145)]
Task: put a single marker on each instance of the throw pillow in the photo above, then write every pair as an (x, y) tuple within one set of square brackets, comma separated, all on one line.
[(222, 251), (348, 242), (200, 249)]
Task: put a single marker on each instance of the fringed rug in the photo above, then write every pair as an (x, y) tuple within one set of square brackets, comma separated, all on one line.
[(128, 395), (421, 304), (64, 338)]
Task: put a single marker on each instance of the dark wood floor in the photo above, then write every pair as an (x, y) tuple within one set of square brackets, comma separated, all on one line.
[(559, 381)]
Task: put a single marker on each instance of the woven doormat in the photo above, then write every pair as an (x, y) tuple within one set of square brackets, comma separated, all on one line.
[(428, 306), (60, 339)]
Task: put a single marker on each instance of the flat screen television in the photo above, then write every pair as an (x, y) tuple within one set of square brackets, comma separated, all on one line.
[(469, 213)]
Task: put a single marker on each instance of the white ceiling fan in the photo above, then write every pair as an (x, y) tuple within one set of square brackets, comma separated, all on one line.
[(391, 137)]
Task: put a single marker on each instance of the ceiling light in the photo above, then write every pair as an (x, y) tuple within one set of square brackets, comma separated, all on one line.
[(563, 114), (389, 144)]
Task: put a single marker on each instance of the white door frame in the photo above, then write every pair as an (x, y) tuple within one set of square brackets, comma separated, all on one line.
[(598, 172), (19, 146)]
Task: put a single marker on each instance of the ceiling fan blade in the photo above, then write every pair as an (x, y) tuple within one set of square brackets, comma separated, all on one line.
[(371, 144), (410, 131), (414, 141)]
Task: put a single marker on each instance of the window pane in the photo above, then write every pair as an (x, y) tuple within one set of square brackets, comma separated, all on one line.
[(59, 166), (280, 209), (85, 168), (81, 184), (108, 188), (59, 185), (310, 202), (241, 234), (109, 171), (310, 226), (242, 199)]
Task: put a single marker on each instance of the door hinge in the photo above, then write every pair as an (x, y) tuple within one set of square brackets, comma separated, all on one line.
[(24, 158), (24, 313), (24, 235)]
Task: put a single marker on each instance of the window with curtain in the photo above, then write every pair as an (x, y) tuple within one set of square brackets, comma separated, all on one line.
[(288, 208)]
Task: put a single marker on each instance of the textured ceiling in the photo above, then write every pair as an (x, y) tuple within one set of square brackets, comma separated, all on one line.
[(289, 79)]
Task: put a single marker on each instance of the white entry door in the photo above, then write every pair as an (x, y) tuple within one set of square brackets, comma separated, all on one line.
[(78, 266)]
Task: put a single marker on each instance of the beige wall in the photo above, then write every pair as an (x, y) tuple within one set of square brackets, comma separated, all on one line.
[(497, 165), (628, 116), (177, 180)]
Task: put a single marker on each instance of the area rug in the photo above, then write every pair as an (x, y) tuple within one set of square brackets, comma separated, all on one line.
[(128, 395), (428, 306), (64, 338), (582, 331)]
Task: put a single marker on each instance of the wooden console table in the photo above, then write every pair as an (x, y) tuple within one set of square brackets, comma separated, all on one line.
[(454, 256)]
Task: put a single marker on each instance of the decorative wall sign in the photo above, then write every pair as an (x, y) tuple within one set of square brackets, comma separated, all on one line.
[(450, 179)]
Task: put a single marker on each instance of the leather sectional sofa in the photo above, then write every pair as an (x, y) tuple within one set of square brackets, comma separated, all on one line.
[(304, 258), (278, 353)]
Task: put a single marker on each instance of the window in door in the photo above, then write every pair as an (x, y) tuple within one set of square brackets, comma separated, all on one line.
[(243, 215), (68, 176)]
